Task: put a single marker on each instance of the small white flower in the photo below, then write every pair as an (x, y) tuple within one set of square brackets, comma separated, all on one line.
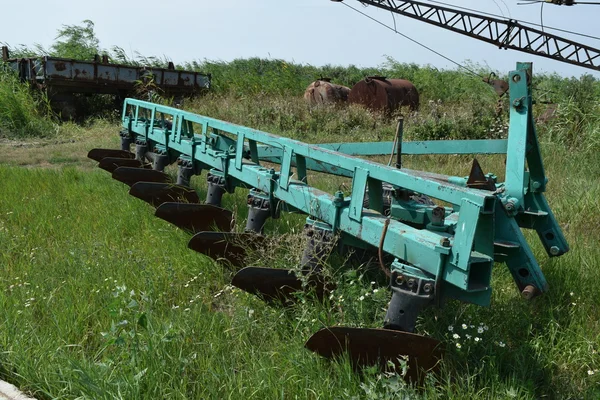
[(590, 372), (458, 345), (175, 307), (361, 298), (450, 328), (372, 282), (375, 290), (502, 344), (468, 336), (571, 293), (187, 309), (464, 326), (477, 339), (456, 336), (480, 330), (485, 327), (574, 304)]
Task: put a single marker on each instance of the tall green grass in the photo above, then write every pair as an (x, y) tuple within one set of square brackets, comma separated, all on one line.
[(102, 300), (23, 112)]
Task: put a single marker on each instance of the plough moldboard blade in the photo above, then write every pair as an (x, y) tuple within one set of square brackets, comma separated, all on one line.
[(130, 175), (99, 154), (195, 218), (367, 346), (110, 164), (273, 284), (229, 246), (156, 193)]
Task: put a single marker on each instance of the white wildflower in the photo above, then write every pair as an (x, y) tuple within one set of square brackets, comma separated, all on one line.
[(450, 328), (464, 326), (456, 336)]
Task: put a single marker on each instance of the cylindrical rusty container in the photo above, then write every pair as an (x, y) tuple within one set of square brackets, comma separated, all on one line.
[(322, 91), (381, 94)]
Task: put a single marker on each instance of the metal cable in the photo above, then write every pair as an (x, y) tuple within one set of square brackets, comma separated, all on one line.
[(415, 41)]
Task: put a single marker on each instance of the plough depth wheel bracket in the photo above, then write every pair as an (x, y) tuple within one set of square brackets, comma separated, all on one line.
[(439, 252)]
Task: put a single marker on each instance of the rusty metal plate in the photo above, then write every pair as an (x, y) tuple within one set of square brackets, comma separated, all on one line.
[(367, 346), (99, 154), (478, 180), (268, 283), (110, 164), (229, 246), (195, 218), (273, 284), (156, 193), (130, 175)]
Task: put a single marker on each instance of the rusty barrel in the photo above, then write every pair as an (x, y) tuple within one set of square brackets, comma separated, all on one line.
[(382, 94), (322, 91)]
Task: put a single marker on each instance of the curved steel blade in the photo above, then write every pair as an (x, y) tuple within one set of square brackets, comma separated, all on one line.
[(156, 193), (229, 246), (272, 284), (110, 164), (366, 346), (130, 175), (195, 218), (99, 154)]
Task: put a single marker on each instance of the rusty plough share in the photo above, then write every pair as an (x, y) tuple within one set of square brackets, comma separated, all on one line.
[(437, 252)]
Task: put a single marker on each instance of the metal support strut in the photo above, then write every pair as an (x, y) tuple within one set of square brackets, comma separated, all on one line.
[(259, 209), (185, 171), (141, 148), (410, 296), (126, 141), (216, 189)]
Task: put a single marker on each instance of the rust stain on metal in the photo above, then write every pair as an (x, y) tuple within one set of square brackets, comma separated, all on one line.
[(382, 94), (60, 66), (499, 85), (322, 91)]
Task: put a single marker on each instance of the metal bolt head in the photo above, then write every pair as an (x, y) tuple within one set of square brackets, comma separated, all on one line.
[(427, 288), (510, 206), (530, 292), (554, 250), (445, 242), (411, 283), (516, 78), (400, 280)]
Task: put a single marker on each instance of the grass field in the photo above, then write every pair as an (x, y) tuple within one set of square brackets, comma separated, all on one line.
[(102, 300)]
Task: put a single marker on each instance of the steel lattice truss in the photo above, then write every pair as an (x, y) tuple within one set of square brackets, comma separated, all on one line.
[(506, 34)]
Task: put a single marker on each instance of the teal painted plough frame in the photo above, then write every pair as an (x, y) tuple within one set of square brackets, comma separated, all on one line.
[(479, 227)]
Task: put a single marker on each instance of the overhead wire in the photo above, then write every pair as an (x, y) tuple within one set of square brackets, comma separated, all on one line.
[(414, 41)]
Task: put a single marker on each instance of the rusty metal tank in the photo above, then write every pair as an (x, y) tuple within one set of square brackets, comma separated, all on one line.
[(386, 95), (322, 91)]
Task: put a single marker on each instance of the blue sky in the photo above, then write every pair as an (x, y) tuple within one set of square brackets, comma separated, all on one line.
[(316, 32)]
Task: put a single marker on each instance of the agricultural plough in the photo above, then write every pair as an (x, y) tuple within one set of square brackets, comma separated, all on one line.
[(431, 252)]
